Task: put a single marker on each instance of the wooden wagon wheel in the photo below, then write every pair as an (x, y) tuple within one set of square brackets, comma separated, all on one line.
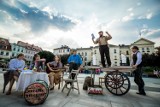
[(117, 83)]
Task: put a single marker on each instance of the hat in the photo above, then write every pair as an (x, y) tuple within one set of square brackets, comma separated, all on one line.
[(100, 32)]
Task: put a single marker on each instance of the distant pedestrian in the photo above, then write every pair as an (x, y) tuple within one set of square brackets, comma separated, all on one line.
[(103, 47), (137, 64)]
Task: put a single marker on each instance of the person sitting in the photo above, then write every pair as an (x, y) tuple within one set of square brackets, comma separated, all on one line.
[(54, 71), (15, 67), (37, 63), (75, 62)]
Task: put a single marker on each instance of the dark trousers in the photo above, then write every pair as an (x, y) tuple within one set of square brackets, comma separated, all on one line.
[(138, 79), (104, 50), (73, 66)]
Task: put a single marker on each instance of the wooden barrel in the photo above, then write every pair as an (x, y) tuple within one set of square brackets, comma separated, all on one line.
[(36, 93)]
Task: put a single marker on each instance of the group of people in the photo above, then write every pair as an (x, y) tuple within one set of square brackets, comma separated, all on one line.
[(75, 62), (53, 68)]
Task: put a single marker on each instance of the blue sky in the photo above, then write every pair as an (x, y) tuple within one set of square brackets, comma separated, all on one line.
[(52, 23)]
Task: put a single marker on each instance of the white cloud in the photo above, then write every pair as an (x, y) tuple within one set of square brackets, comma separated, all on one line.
[(149, 15), (153, 31), (130, 9), (128, 17)]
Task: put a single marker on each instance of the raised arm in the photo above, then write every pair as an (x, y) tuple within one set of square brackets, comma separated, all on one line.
[(109, 36), (95, 42)]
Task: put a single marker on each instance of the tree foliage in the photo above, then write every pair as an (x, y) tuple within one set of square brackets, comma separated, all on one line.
[(152, 60), (49, 56), (64, 59)]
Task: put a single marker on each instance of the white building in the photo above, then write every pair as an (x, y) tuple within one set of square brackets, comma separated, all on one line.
[(63, 50), (86, 54), (119, 54), (145, 45), (92, 55)]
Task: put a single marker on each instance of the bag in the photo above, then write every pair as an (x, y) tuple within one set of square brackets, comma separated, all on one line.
[(87, 82)]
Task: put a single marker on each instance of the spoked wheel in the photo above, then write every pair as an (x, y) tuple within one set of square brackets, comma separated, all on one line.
[(117, 83)]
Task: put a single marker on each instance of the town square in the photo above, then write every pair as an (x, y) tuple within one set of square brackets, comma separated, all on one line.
[(78, 53)]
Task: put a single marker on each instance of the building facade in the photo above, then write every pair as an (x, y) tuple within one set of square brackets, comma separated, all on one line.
[(120, 55), (63, 50), (17, 49), (29, 50), (5, 49), (86, 55)]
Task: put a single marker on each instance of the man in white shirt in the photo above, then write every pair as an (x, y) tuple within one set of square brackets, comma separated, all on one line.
[(137, 64), (15, 67)]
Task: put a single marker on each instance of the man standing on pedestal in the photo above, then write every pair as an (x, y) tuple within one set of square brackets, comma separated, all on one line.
[(103, 47)]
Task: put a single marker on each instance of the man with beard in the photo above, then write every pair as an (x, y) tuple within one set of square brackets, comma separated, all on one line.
[(103, 47)]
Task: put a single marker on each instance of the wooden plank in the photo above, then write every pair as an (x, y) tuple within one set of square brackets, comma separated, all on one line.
[(119, 68), (92, 67)]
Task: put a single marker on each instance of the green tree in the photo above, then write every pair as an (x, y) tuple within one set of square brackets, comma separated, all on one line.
[(49, 56), (152, 60), (64, 59)]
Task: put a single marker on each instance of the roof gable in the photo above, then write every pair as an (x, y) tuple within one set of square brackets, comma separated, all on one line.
[(143, 41)]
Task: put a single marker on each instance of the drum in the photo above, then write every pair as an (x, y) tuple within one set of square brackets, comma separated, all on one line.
[(36, 93)]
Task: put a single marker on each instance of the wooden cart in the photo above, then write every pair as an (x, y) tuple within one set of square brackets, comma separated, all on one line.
[(116, 81)]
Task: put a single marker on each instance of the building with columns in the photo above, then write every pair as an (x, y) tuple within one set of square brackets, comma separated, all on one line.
[(120, 54)]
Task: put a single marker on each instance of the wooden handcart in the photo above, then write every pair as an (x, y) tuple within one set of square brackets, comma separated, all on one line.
[(116, 81)]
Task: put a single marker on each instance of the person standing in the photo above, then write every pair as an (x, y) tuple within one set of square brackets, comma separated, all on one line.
[(103, 47), (74, 61), (136, 63), (15, 67)]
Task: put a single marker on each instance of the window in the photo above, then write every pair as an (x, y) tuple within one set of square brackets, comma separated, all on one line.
[(85, 53), (68, 50), (7, 53), (143, 50), (14, 49), (82, 53), (115, 51), (148, 50), (115, 57), (2, 53), (18, 50), (94, 51), (127, 53), (115, 63), (12, 54), (85, 59), (22, 50)]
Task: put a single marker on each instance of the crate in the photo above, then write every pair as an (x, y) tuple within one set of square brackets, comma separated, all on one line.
[(96, 89)]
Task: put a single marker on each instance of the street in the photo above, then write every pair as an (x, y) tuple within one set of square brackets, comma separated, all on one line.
[(58, 99)]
